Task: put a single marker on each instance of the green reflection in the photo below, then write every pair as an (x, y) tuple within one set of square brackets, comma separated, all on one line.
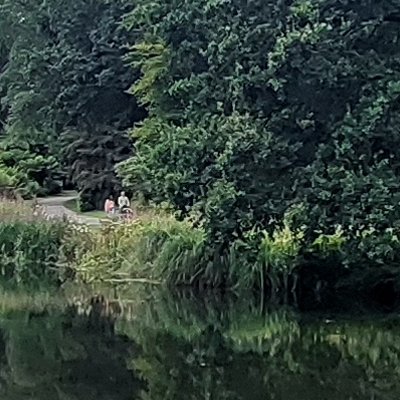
[(213, 348), (154, 345), (63, 356)]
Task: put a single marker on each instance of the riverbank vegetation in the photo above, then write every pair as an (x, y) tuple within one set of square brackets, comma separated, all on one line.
[(160, 249), (29, 245), (270, 130)]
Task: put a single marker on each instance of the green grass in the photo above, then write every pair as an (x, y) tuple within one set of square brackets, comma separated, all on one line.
[(21, 300), (95, 214), (73, 206), (156, 247), (29, 245)]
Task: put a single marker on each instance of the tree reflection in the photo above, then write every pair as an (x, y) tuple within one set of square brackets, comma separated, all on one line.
[(64, 356), (174, 347), (213, 348)]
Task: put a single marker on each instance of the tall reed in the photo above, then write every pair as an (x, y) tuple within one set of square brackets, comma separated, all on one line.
[(29, 244), (266, 260), (158, 248)]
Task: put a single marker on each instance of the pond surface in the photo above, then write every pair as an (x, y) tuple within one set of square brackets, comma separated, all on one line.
[(155, 346)]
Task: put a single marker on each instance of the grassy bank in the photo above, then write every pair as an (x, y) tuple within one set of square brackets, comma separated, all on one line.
[(159, 248), (283, 262), (29, 244)]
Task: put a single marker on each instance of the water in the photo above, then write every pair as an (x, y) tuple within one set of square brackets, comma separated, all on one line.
[(155, 346)]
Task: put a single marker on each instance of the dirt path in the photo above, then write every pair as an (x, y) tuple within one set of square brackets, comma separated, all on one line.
[(55, 207)]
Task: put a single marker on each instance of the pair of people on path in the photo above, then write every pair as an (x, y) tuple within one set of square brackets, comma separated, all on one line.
[(123, 203)]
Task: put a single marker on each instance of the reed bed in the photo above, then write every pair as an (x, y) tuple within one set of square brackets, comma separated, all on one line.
[(29, 244)]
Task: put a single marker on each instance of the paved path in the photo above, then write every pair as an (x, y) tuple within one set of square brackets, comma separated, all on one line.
[(55, 207)]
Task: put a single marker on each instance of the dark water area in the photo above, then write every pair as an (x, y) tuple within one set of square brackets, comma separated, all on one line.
[(152, 345)]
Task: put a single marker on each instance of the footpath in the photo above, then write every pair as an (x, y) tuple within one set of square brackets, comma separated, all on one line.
[(54, 207)]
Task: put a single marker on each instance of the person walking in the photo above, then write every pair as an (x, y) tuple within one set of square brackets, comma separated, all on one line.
[(109, 206)]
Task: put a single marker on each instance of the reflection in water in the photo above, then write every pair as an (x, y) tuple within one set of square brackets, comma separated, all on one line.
[(64, 356), (180, 347)]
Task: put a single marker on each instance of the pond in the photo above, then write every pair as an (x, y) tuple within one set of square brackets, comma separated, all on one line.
[(155, 345)]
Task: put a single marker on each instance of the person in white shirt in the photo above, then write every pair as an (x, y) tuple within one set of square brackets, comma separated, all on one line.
[(123, 201)]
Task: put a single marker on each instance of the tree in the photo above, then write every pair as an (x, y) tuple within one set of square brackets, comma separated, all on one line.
[(67, 80), (95, 81), (30, 142), (255, 107)]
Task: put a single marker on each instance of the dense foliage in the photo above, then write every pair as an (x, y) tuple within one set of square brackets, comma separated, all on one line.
[(63, 87), (257, 107), (272, 125), (29, 245)]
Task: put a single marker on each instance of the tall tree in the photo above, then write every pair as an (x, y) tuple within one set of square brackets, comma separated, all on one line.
[(258, 106), (26, 87), (66, 83)]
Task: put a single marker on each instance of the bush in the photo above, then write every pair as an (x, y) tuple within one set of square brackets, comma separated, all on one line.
[(268, 261), (15, 178), (158, 248), (32, 175), (6, 180), (29, 245)]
